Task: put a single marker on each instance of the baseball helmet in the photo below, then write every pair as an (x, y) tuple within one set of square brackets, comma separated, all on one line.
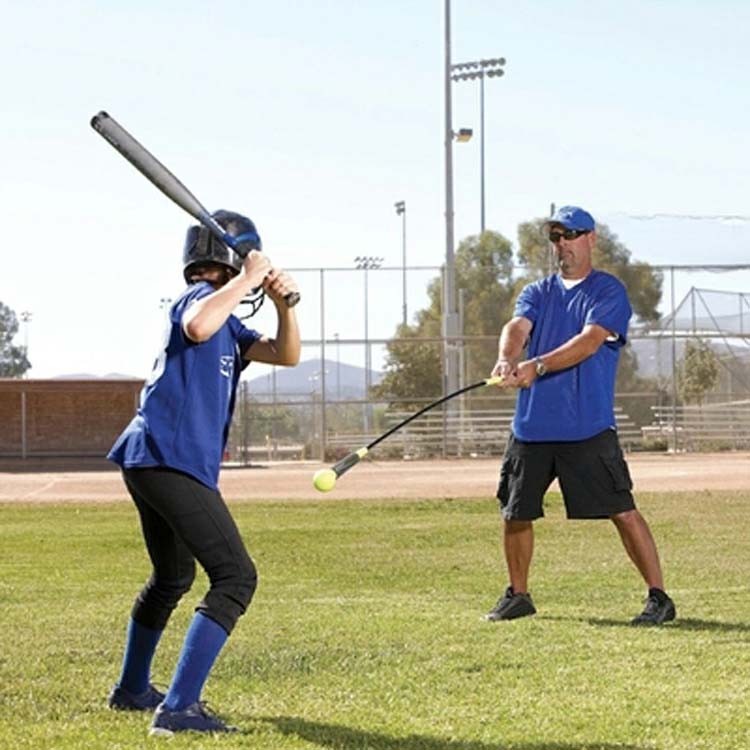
[(202, 247)]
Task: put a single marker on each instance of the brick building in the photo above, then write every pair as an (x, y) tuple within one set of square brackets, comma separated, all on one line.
[(71, 419)]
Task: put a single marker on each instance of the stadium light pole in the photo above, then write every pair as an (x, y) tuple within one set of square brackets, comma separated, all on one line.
[(26, 316), (401, 211), (366, 263), (450, 309), (164, 305), (470, 71), (338, 366)]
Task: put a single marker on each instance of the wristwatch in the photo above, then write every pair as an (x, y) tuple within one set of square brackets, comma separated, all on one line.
[(541, 368)]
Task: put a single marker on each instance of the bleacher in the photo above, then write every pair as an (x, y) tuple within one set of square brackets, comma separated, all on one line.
[(473, 433), (722, 425)]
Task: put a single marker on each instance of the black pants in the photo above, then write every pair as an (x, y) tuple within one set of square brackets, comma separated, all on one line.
[(184, 521)]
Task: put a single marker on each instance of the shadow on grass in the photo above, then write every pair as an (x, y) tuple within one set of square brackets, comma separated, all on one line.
[(685, 623), (339, 737)]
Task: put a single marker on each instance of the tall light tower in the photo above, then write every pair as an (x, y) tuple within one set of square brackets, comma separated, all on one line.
[(366, 263), (450, 310), (26, 316), (400, 207), (164, 304), (469, 71)]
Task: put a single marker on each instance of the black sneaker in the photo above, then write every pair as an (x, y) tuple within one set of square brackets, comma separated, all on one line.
[(195, 718), (123, 700), (659, 609), (511, 606)]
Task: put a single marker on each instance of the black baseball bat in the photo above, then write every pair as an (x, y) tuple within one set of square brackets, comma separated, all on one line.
[(156, 173)]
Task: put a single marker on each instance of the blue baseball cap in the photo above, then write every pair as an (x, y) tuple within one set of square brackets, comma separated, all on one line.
[(573, 217)]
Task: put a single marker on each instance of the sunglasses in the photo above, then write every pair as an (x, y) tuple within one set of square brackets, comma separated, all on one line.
[(568, 234)]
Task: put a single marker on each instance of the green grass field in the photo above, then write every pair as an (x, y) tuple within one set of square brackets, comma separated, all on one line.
[(366, 630)]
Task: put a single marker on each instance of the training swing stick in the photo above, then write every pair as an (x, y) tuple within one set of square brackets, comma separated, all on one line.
[(325, 479)]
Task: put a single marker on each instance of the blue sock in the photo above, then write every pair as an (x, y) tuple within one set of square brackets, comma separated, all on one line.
[(203, 642), (139, 651)]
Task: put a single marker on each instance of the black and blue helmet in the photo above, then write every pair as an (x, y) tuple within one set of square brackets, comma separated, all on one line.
[(202, 247)]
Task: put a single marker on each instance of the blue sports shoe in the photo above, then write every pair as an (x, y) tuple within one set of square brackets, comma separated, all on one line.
[(195, 718), (123, 700)]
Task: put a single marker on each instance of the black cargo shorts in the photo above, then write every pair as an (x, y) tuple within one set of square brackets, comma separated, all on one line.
[(593, 476)]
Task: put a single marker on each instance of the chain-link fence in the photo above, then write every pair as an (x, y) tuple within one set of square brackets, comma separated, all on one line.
[(330, 403), (684, 382)]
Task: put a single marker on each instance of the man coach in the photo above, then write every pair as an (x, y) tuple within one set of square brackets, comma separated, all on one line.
[(574, 324)]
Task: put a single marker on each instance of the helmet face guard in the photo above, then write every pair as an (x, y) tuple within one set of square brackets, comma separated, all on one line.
[(202, 247)]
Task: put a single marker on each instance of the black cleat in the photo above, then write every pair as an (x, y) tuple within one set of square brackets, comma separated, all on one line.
[(658, 610), (511, 606), (195, 718), (123, 700)]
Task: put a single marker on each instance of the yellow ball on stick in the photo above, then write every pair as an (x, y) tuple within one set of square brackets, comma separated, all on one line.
[(324, 480)]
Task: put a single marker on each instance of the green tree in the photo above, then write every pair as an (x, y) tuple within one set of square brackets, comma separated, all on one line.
[(13, 360), (261, 419), (484, 267), (642, 282), (484, 270), (697, 372)]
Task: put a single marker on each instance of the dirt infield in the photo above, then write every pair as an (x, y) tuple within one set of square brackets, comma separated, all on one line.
[(376, 480)]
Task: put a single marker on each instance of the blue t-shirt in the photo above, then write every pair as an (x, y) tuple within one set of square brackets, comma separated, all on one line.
[(576, 403), (187, 403)]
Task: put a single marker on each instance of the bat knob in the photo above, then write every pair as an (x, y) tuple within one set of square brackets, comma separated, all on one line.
[(292, 299)]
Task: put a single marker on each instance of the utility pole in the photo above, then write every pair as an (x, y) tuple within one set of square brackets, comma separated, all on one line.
[(450, 313), (401, 211), (469, 71)]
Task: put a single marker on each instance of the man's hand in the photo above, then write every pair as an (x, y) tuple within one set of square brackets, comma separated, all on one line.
[(506, 370), (525, 373), (515, 375)]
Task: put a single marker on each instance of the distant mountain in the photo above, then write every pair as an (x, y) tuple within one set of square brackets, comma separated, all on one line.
[(342, 381)]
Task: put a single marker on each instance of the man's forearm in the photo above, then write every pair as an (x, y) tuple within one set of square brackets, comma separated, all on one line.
[(512, 342), (574, 350)]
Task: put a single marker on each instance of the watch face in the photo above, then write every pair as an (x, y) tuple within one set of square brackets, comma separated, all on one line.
[(540, 368)]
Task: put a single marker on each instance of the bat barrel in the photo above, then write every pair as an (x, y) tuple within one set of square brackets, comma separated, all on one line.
[(151, 168), (147, 164)]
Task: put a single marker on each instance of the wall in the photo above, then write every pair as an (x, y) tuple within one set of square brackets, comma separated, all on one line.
[(64, 417)]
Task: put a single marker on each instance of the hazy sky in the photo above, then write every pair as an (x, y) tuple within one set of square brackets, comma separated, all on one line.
[(315, 117)]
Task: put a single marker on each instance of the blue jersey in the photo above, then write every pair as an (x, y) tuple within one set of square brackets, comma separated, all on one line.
[(576, 403), (187, 403)]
